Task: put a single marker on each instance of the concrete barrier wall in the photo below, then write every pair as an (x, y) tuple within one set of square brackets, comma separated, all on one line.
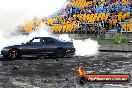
[(116, 48), (101, 36)]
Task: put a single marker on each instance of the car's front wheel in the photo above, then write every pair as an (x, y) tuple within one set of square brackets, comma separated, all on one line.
[(60, 52), (13, 54)]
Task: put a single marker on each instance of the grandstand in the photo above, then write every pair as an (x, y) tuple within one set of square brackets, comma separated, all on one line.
[(89, 16), (32, 26)]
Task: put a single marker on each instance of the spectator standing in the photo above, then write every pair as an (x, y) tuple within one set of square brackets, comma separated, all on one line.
[(118, 35), (85, 29), (106, 25)]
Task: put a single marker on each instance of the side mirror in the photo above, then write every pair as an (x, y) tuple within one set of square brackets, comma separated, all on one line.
[(22, 43)]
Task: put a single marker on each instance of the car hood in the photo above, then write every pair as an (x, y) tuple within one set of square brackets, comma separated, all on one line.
[(13, 46)]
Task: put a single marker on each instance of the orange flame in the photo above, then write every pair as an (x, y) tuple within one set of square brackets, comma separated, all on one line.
[(81, 71)]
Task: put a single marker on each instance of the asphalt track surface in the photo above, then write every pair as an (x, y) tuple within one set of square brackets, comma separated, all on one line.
[(49, 72)]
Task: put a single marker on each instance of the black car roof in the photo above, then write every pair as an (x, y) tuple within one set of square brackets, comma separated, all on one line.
[(43, 37)]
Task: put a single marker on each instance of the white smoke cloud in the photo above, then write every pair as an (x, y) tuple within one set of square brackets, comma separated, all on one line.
[(16, 12), (9, 19), (87, 47), (33, 7)]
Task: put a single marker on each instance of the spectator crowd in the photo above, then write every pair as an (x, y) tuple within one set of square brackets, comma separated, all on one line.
[(91, 16)]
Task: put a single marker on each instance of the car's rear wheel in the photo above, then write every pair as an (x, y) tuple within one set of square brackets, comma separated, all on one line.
[(60, 52), (13, 54)]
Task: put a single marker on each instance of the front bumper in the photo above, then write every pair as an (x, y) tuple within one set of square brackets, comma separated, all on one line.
[(4, 52)]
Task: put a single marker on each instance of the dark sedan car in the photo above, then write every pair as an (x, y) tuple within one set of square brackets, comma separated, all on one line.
[(40, 46)]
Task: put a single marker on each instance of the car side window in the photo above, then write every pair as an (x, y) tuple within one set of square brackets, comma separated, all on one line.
[(35, 41)]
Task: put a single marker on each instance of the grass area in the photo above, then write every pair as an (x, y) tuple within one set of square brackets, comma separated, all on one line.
[(110, 41)]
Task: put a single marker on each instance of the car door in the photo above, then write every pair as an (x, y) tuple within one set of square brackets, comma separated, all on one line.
[(33, 47)]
